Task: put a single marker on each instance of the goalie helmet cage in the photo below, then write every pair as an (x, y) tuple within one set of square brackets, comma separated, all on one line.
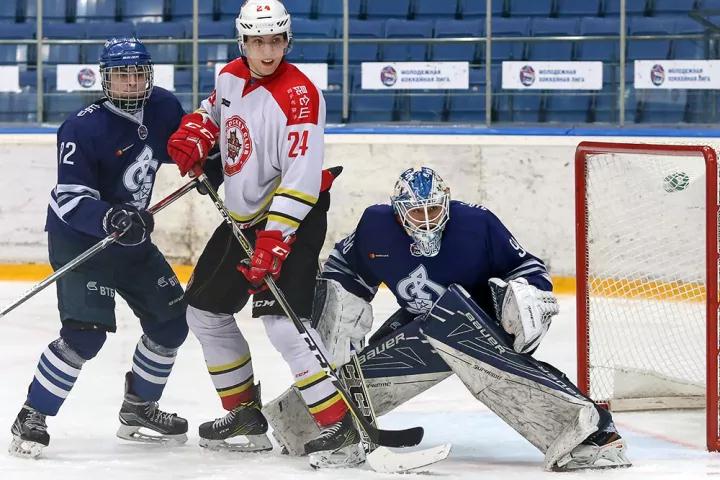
[(646, 220)]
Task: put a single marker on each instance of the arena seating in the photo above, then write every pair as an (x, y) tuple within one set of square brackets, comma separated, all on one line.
[(391, 19)]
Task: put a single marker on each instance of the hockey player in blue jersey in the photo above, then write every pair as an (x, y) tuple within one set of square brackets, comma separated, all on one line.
[(473, 302), (108, 154)]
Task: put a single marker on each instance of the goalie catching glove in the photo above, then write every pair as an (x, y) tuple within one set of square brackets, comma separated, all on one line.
[(524, 311), (191, 143)]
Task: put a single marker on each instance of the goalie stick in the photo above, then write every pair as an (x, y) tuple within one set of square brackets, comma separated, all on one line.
[(92, 251), (382, 459), (389, 438)]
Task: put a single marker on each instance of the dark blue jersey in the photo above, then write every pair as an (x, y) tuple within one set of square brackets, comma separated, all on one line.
[(108, 157), (475, 247)]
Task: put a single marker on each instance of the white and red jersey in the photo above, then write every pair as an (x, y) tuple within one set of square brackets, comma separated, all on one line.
[(271, 141)]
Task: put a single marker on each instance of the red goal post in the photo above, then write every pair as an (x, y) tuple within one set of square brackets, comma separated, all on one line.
[(646, 218)]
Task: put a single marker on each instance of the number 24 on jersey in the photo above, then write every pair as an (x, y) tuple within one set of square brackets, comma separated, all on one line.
[(299, 145)]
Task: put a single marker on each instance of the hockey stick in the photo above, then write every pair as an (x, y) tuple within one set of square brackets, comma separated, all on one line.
[(389, 438), (92, 251)]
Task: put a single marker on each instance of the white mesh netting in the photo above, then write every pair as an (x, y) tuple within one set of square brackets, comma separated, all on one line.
[(646, 275)]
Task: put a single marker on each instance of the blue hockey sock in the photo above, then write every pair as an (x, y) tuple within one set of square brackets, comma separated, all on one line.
[(152, 364), (56, 372)]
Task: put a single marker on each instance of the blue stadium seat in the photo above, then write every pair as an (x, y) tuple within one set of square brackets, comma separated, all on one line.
[(95, 10), (214, 52), (8, 11), (28, 79), (53, 10), (552, 50), (313, 52), (182, 9), (476, 81), (527, 107), (573, 8), (433, 9), (24, 106), (476, 8), (673, 7), (406, 29), (468, 107), (468, 52), (396, 9), (163, 52), (567, 107), (62, 53), (333, 106), (634, 8), (606, 50), (649, 49), (429, 107), (689, 49), (604, 107), (49, 79), (334, 9), (530, 8), (59, 105), (229, 9), (206, 81), (16, 54), (299, 8), (142, 10), (700, 106), (662, 106), (365, 52), (183, 80), (502, 107), (372, 107), (509, 27), (103, 31)]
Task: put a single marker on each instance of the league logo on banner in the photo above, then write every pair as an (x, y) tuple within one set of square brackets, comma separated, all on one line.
[(316, 72), (10, 78), (679, 74), (415, 75), (552, 75), (78, 78)]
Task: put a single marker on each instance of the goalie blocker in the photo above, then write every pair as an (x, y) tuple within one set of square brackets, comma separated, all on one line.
[(457, 336)]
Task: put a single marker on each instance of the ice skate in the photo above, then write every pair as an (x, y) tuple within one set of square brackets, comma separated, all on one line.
[(29, 434), (604, 449), (244, 424), (157, 426), (337, 446)]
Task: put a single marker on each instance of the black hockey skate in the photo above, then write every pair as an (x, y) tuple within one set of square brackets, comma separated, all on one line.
[(29, 433), (337, 446), (137, 413), (245, 424)]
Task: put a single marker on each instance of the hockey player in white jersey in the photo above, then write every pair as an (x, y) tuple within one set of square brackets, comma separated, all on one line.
[(268, 119)]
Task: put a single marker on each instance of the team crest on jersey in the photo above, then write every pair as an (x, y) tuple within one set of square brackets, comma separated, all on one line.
[(239, 144), (419, 291), (139, 177)]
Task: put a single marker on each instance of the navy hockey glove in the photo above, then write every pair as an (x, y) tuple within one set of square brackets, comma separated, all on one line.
[(134, 225)]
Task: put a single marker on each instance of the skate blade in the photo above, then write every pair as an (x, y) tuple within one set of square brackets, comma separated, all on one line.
[(241, 443), (346, 457), (25, 448), (134, 434)]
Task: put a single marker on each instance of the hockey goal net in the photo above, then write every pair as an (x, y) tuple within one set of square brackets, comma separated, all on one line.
[(647, 277)]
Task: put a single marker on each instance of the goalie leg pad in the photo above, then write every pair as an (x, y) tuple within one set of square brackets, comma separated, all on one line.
[(533, 398)]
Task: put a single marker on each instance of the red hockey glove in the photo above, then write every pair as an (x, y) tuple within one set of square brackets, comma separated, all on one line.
[(270, 252), (192, 141)]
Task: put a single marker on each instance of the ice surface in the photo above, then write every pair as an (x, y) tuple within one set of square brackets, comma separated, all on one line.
[(83, 443)]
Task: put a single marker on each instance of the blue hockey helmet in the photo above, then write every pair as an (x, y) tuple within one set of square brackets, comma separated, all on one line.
[(127, 73), (421, 201)]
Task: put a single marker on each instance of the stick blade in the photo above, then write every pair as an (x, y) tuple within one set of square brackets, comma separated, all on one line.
[(384, 460), (400, 438)]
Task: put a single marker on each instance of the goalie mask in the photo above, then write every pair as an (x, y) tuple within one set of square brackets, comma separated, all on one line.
[(127, 73), (421, 201), (258, 18)]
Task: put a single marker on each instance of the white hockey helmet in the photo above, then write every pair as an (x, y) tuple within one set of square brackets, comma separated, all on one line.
[(263, 17)]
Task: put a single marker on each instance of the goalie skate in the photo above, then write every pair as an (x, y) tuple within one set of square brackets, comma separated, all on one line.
[(602, 450), (29, 434), (245, 425)]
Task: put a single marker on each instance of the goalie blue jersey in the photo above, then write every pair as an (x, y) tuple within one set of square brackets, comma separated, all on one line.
[(475, 247), (107, 157)]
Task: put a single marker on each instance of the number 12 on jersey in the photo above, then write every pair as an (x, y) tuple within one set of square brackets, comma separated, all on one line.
[(299, 143)]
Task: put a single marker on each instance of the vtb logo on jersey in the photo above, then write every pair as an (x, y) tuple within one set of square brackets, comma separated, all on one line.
[(239, 145), (419, 291), (139, 177)]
